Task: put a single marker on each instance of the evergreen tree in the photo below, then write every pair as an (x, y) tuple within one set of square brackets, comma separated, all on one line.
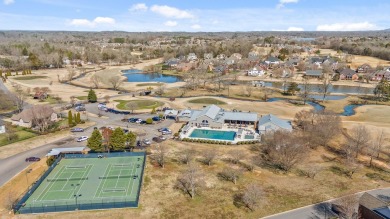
[(292, 88), (131, 138), (118, 140), (78, 118), (92, 96), (153, 110), (24, 52), (95, 141), (70, 118), (75, 118), (1, 73)]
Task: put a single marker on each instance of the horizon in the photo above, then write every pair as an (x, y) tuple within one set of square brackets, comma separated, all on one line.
[(192, 17)]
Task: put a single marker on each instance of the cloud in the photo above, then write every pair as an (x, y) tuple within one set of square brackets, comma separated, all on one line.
[(8, 2), (196, 27), (139, 7), (347, 27), (295, 29), (171, 12), (283, 2), (91, 24), (170, 23)]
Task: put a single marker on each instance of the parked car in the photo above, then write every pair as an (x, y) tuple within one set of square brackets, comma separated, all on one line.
[(163, 129), (138, 121), (142, 122), (82, 138), (132, 120), (77, 130), (157, 139), (32, 159), (125, 131), (156, 118), (146, 141), (162, 137), (165, 132), (80, 108)]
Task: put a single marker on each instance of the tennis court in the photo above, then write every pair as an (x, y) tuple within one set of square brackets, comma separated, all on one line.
[(87, 183)]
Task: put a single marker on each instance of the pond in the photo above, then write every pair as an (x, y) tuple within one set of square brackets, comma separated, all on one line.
[(332, 89), (134, 75), (349, 110)]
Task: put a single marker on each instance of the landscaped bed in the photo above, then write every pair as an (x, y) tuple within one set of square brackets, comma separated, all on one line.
[(19, 135), (139, 104)]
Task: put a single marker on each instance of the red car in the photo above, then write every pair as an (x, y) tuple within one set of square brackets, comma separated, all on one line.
[(32, 159)]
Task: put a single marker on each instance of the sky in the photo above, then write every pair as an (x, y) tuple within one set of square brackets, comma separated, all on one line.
[(195, 15)]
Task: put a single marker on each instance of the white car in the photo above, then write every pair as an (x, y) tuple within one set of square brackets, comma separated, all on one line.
[(82, 138), (147, 141), (166, 132), (138, 121)]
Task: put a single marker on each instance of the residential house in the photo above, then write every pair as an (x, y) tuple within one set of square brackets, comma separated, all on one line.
[(40, 95), (172, 63), (236, 56), (215, 117), (184, 115), (365, 68), (192, 57), (272, 61), (208, 56), (348, 74), (230, 61), (379, 75), (185, 67), (371, 207), (27, 116), (221, 69), (293, 61), (313, 73), (271, 123), (253, 56), (255, 72), (2, 127)]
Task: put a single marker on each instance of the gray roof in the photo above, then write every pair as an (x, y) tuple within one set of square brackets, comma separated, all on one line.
[(1, 122), (284, 124), (171, 112), (348, 71), (313, 72), (210, 111), (273, 59), (240, 116), (57, 151)]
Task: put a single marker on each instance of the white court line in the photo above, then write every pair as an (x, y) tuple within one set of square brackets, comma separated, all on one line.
[(47, 183), (132, 184), (81, 184), (101, 180), (66, 182)]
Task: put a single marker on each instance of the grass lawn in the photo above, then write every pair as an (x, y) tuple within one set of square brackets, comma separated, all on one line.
[(141, 104), (22, 135), (30, 77), (207, 101), (82, 97), (149, 84)]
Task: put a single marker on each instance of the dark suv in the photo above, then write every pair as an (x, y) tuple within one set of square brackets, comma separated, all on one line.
[(32, 159)]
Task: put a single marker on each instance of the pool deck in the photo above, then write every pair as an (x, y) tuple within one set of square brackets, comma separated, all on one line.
[(239, 138)]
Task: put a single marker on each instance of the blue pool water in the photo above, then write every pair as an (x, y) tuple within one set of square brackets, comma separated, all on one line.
[(134, 75), (213, 134)]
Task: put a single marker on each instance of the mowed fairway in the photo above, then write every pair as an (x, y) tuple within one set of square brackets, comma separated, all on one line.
[(97, 181)]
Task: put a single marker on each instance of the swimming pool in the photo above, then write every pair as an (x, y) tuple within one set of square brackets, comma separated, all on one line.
[(213, 134)]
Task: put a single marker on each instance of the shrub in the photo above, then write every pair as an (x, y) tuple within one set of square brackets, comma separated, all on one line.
[(149, 121), (50, 160), (229, 143)]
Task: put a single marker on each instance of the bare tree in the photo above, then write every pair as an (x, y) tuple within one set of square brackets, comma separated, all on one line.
[(96, 80), (116, 82), (72, 100), (376, 145), (19, 97), (160, 89), (236, 155), (106, 98), (132, 106), (283, 150), (253, 196), (159, 155), (209, 156), (71, 73), (311, 171), (304, 93), (358, 138), (325, 86), (191, 180), (348, 206), (187, 155), (231, 174), (301, 66), (41, 117), (10, 200), (249, 89)]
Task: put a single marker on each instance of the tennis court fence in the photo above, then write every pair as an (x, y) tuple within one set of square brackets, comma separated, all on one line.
[(22, 208)]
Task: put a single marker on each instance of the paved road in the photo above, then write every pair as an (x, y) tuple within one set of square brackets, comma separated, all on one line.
[(11, 166), (323, 210)]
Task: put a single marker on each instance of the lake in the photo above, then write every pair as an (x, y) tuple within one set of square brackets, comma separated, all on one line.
[(342, 89), (134, 75)]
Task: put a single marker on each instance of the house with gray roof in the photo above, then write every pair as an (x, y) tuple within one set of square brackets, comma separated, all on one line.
[(272, 60), (271, 123), (2, 127), (313, 73), (213, 116)]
